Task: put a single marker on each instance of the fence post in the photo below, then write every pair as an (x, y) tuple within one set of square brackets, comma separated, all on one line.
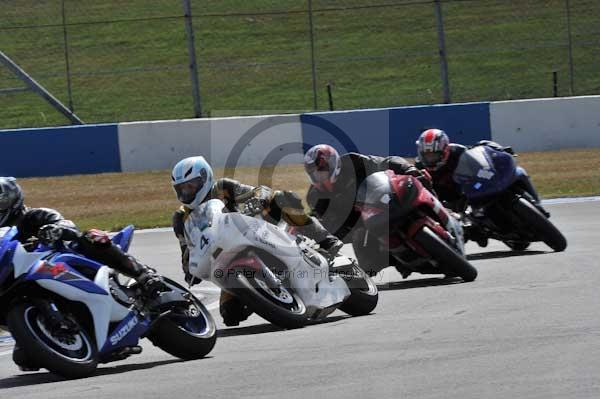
[(570, 37), (442, 50), (312, 55), (189, 31), (330, 96), (67, 63)]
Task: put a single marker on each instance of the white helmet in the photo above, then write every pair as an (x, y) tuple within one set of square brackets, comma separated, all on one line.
[(323, 165), (192, 180)]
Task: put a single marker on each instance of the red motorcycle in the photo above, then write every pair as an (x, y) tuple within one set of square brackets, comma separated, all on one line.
[(406, 226)]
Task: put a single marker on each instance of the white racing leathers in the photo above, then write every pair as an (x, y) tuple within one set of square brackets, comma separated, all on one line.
[(216, 240)]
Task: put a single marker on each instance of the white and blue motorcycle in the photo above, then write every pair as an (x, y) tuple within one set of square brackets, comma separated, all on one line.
[(68, 313)]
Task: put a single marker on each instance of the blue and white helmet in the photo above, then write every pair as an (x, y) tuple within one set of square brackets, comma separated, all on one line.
[(192, 180)]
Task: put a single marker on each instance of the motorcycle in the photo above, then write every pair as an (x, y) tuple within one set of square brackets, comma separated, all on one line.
[(503, 203), (67, 313), (406, 226), (281, 277)]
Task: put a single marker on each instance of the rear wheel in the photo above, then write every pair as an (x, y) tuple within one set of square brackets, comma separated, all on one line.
[(451, 262), (281, 306), (70, 354), (363, 292), (547, 232)]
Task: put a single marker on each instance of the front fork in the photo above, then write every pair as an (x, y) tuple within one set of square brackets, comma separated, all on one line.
[(54, 318)]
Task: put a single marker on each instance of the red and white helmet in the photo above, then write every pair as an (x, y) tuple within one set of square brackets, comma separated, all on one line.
[(433, 148), (323, 165)]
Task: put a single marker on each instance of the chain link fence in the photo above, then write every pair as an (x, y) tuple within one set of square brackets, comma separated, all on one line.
[(119, 60)]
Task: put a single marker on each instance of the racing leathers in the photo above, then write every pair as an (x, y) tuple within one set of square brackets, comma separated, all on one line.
[(275, 206), (336, 208), (442, 179), (48, 226)]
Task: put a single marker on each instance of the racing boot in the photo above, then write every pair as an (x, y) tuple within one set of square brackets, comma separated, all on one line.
[(22, 361), (474, 233), (526, 181), (150, 281), (232, 310)]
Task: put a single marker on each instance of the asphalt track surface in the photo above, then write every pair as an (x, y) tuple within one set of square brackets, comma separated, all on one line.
[(528, 327)]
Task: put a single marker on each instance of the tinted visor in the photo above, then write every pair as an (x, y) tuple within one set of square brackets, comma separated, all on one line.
[(186, 192), (431, 158), (317, 175), (5, 202)]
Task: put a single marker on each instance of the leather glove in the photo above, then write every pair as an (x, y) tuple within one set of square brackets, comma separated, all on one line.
[(330, 247), (50, 233), (98, 236), (254, 206), (422, 175)]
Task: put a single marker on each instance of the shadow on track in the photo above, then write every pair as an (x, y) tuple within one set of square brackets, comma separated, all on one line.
[(502, 254), (29, 379), (420, 283), (269, 328)]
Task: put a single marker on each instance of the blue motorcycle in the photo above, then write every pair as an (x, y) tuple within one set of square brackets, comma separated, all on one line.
[(503, 203), (67, 313)]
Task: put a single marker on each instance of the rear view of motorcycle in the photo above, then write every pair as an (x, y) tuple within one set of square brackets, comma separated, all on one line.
[(406, 226), (503, 204), (68, 313)]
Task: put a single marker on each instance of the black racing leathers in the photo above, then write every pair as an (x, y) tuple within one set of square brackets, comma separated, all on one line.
[(335, 209), (442, 179), (31, 220), (278, 205)]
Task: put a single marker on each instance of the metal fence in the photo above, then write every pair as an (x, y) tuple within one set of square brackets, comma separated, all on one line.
[(120, 60)]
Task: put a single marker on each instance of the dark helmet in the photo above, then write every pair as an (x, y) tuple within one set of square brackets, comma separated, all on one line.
[(11, 200)]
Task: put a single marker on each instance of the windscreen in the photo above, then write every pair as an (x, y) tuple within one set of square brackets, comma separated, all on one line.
[(375, 190), (472, 163)]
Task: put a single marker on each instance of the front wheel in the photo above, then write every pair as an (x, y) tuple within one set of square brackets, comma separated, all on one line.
[(189, 332), (517, 245), (281, 306), (70, 354), (363, 292), (451, 261), (547, 232)]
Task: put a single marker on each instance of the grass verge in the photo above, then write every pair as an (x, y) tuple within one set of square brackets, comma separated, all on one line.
[(145, 199)]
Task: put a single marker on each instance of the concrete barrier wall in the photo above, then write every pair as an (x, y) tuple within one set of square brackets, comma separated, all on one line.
[(547, 124), (59, 151), (527, 125), (243, 141), (393, 131)]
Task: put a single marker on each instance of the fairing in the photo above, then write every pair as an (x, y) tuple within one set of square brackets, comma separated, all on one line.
[(483, 171)]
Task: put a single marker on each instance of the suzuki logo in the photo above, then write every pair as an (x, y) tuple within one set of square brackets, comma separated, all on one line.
[(123, 331)]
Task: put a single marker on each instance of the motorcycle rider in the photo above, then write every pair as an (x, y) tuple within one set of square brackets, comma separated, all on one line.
[(196, 187), (49, 226), (335, 181), (440, 158)]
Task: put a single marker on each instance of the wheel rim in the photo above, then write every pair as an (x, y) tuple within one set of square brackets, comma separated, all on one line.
[(73, 347), (283, 297), (372, 287), (281, 294), (194, 321)]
